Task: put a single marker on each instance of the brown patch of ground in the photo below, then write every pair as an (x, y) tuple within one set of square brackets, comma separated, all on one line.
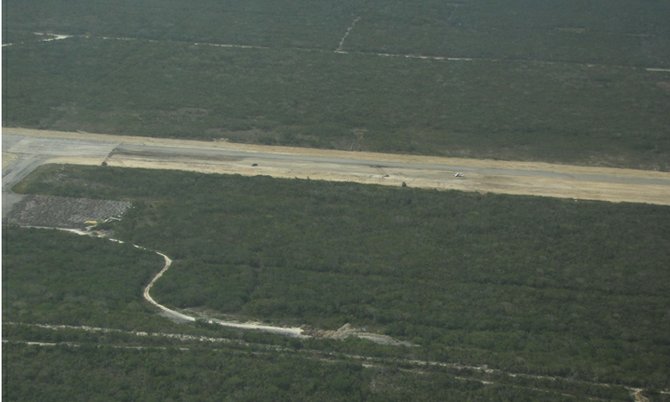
[(7, 159), (347, 331)]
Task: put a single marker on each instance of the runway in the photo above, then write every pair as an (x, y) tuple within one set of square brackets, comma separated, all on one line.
[(25, 149)]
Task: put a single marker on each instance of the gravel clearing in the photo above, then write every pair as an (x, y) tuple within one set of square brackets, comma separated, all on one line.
[(51, 211)]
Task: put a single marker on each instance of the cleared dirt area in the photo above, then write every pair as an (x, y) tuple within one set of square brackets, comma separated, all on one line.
[(50, 211), (8, 159), (506, 177)]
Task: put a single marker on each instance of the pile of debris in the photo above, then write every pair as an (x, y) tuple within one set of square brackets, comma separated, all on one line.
[(65, 212), (347, 330)]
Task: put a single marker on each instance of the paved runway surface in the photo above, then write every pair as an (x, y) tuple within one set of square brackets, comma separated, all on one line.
[(25, 149)]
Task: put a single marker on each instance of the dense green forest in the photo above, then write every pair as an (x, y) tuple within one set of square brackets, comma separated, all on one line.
[(602, 31), (549, 81), (308, 24), (56, 278), (502, 297), (599, 32), (521, 283), (95, 373)]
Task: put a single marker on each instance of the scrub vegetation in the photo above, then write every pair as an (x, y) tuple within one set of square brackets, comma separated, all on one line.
[(503, 297), (549, 81), (92, 372), (602, 31), (526, 284), (54, 277), (570, 31), (74, 328)]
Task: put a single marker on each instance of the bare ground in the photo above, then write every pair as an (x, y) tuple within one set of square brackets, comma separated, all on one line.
[(481, 175), (51, 211)]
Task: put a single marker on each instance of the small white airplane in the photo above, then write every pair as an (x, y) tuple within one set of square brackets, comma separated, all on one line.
[(459, 174)]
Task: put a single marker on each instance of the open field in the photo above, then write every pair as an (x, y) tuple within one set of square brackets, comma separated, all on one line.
[(527, 284), (555, 84)]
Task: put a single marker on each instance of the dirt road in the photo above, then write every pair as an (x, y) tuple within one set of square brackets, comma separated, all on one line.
[(478, 373), (505, 177), (294, 332)]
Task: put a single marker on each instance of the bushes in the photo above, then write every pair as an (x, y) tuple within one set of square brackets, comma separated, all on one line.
[(513, 110), (487, 278), (50, 276)]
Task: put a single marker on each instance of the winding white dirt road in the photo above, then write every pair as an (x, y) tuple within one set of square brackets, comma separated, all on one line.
[(294, 332)]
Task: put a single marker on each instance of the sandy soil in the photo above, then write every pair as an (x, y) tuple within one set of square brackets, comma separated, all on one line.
[(8, 159), (481, 175)]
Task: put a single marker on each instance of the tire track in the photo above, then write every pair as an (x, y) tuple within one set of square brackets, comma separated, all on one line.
[(340, 46), (293, 332), (340, 50), (469, 372)]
